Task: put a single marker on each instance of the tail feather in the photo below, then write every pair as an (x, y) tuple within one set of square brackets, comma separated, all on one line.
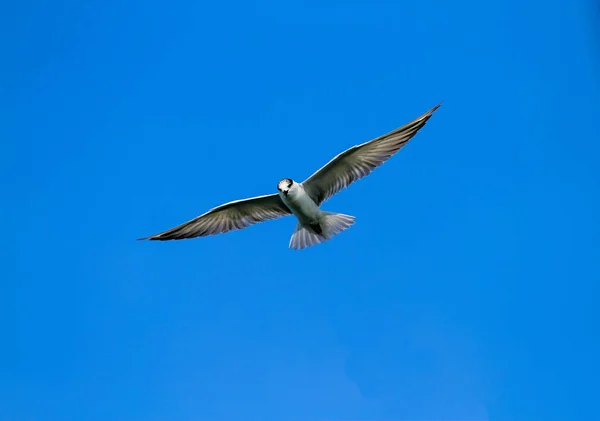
[(334, 223), (303, 237), (331, 224)]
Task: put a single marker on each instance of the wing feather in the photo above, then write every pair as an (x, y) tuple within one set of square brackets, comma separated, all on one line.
[(360, 160), (231, 216)]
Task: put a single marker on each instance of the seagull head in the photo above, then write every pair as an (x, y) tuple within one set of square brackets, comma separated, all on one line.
[(285, 185)]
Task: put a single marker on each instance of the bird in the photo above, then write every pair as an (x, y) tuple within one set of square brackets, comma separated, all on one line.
[(303, 200)]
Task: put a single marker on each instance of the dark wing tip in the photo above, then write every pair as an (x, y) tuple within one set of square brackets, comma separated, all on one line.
[(435, 108), (420, 121), (150, 238)]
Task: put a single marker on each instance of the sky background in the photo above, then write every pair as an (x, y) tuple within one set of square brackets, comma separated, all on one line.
[(466, 290)]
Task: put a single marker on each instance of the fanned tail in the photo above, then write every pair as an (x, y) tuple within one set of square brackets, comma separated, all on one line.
[(331, 224), (334, 223), (303, 237)]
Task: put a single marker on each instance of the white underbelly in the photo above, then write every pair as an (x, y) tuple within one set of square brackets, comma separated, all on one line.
[(303, 207)]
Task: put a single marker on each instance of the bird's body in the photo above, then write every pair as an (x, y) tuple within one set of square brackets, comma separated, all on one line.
[(301, 204), (314, 225), (304, 199)]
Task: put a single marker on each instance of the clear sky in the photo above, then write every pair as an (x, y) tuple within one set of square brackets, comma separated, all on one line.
[(466, 290)]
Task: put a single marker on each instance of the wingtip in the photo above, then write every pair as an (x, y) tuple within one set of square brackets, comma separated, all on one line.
[(437, 106)]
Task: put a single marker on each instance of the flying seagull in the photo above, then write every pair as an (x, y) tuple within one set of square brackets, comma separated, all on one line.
[(303, 199)]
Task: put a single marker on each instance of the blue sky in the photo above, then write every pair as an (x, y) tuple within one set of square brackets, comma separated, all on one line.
[(465, 291)]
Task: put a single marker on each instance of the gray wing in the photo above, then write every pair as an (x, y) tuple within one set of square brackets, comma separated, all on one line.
[(231, 216), (358, 161)]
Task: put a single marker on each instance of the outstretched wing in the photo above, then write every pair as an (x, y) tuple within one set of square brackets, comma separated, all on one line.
[(231, 216), (358, 161)]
